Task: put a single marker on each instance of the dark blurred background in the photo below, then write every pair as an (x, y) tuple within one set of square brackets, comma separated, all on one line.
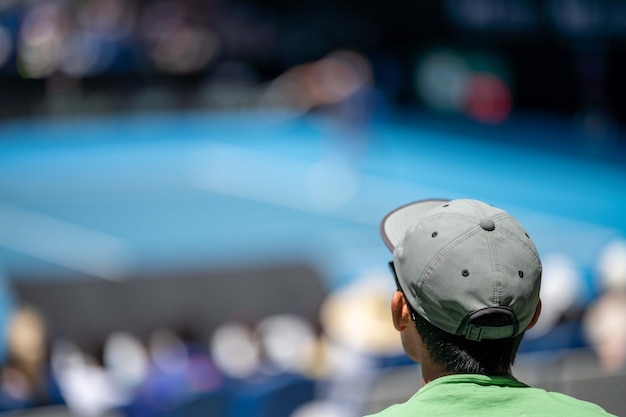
[(190, 194), (561, 56)]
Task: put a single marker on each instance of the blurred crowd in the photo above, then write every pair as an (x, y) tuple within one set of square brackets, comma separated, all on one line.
[(280, 365), (283, 364), (106, 55), (70, 57), (96, 37)]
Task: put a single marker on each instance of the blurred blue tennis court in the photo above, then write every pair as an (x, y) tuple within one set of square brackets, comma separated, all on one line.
[(104, 196)]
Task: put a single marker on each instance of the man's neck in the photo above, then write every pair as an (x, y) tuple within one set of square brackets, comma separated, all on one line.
[(431, 371)]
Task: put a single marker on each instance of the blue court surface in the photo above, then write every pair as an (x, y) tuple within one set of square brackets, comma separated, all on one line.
[(109, 196)]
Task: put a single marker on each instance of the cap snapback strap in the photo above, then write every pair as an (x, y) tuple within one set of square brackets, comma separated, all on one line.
[(497, 322)]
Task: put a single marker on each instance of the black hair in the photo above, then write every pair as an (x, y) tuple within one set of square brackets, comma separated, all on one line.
[(458, 355)]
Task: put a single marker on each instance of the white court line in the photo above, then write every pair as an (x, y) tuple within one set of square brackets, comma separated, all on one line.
[(63, 243), (290, 183), (330, 187)]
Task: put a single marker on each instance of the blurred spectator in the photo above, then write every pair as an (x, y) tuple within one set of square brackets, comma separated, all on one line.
[(612, 266), (605, 327), (126, 359), (86, 387), (563, 295), (359, 341), (179, 369), (288, 342), (357, 315), (235, 350), (605, 319), (26, 379)]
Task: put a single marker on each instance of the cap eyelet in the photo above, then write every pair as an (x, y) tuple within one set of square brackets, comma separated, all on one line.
[(521, 274), (465, 273), (434, 234)]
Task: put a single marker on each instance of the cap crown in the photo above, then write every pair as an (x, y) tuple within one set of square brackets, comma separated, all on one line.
[(462, 258)]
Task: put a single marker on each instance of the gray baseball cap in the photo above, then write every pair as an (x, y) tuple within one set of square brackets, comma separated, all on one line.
[(467, 267)]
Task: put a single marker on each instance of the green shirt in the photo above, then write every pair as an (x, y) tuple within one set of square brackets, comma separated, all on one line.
[(481, 395)]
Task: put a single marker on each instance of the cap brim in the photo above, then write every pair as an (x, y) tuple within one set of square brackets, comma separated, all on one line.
[(394, 225)]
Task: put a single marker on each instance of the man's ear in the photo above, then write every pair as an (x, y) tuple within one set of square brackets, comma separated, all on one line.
[(400, 312), (535, 318)]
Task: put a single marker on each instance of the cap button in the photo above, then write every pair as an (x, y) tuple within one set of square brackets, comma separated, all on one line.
[(487, 224)]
